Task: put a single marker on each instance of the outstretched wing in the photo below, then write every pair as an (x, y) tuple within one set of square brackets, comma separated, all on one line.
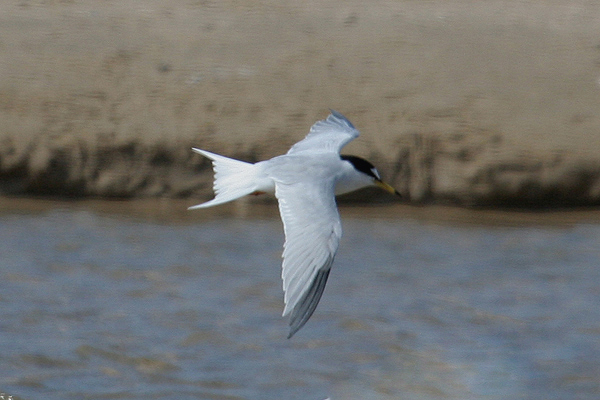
[(313, 230), (328, 135)]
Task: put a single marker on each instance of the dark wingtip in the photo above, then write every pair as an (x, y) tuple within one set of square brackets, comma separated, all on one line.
[(341, 116), (307, 305)]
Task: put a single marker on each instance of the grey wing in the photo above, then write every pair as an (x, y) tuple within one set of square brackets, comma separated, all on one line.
[(312, 234), (328, 135)]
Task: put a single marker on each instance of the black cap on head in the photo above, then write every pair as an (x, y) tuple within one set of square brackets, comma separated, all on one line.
[(362, 165)]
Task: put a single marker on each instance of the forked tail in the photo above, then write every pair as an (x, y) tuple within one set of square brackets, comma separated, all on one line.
[(233, 179)]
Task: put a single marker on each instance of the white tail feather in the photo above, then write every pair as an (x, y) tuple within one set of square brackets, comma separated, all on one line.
[(233, 179)]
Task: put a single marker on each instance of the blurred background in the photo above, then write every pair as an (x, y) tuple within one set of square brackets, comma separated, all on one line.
[(469, 102), (482, 284)]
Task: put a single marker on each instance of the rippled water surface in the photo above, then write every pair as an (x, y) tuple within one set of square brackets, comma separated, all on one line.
[(98, 305)]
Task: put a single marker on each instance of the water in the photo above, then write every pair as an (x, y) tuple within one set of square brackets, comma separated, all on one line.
[(98, 305)]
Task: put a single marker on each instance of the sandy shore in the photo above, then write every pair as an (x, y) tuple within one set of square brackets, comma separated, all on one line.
[(470, 102)]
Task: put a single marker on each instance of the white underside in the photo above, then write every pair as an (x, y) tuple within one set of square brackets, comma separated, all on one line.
[(235, 179)]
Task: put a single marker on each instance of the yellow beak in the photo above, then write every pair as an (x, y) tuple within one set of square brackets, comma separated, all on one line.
[(386, 187)]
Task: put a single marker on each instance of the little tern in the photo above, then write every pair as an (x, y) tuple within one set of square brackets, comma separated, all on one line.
[(305, 181)]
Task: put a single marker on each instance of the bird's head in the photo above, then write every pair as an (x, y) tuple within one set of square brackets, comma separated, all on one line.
[(365, 167)]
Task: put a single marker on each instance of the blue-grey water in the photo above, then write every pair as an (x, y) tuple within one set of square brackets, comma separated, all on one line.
[(101, 305)]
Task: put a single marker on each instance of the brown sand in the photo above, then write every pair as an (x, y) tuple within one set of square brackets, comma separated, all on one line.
[(473, 102)]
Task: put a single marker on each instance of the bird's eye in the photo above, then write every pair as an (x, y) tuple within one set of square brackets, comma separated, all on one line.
[(375, 173)]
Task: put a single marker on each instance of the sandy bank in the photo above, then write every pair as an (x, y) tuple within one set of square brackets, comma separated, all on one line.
[(468, 102)]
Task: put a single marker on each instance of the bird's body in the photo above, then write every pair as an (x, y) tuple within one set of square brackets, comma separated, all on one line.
[(305, 182)]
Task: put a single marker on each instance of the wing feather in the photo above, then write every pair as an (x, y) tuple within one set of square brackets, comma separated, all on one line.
[(309, 301), (328, 135), (313, 230)]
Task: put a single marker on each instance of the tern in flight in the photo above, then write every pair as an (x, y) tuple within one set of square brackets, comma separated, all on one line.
[(305, 181)]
